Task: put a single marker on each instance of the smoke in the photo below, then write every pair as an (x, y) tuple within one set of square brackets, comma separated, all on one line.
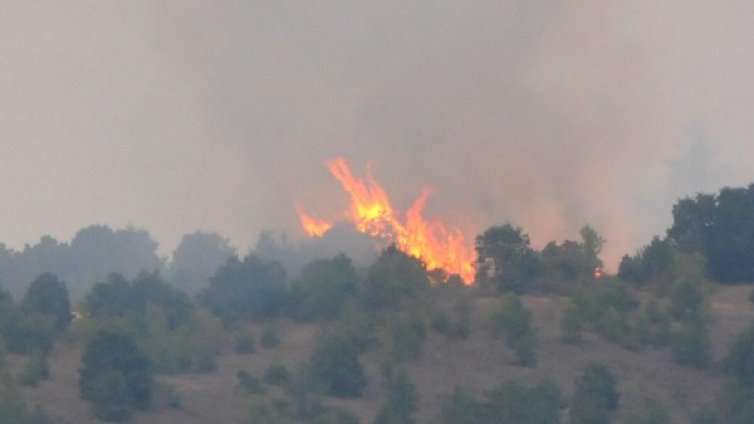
[(219, 115)]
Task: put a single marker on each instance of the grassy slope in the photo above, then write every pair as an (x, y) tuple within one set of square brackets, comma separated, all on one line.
[(478, 364)]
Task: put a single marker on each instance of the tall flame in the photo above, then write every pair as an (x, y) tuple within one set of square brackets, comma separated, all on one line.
[(372, 212)]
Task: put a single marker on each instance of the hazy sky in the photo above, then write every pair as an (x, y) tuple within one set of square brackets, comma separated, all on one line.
[(218, 115)]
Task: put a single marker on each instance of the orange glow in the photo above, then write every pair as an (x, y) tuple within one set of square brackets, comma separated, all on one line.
[(598, 272), (314, 227), (371, 212)]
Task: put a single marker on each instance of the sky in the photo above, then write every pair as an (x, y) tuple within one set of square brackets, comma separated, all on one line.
[(182, 115)]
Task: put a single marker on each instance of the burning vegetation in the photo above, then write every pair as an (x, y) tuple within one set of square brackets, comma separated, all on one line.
[(371, 212)]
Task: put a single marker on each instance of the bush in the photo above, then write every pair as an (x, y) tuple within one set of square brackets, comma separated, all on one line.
[(276, 375), (206, 361), (335, 367), (406, 337), (47, 295), (249, 383), (652, 412), (687, 302), (115, 376), (570, 326), (245, 344), (324, 288), (691, 346), (740, 360), (36, 369), (595, 395), (269, 338), (514, 321)]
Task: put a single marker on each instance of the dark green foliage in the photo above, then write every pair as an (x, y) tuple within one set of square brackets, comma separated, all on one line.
[(652, 412), (460, 408), (249, 289), (570, 262), (269, 338), (595, 395), (206, 361), (687, 303), (739, 363), (707, 416), (196, 258), (722, 227), (505, 260), (406, 337), (275, 412), (511, 402), (395, 277), (651, 263), (117, 297), (245, 344), (249, 383), (24, 332), (653, 326), (324, 288), (335, 366), (570, 325), (276, 375), (36, 369), (691, 346), (48, 296), (513, 320), (115, 376), (604, 307), (402, 400)]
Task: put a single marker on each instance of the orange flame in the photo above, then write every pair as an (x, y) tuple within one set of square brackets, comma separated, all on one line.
[(372, 212), (313, 226)]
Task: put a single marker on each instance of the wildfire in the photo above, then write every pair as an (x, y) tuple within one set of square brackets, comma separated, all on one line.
[(371, 212), (312, 226)]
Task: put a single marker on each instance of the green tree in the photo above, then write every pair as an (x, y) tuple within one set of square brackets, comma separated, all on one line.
[(47, 295), (323, 289), (595, 395), (514, 320), (335, 366), (512, 402), (196, 258), (115, 376), (739, 363), (653, 262), (248, 289), (505, 260), (395, 277), (402, 400)]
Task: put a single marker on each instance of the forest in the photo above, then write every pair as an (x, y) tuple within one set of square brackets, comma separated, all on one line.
[(104, 329)]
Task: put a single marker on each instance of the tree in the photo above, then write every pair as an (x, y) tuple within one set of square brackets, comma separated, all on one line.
[(505, 259), (595, 395), (323, 289), (691, 217), (729, 237), (402, 400), (196, 258), (47, 295), (394, 277), (335, 366), (248, 289), (515, 321), (512, 402), (740, 360), (116, 376), (592, 243), (652, 262)]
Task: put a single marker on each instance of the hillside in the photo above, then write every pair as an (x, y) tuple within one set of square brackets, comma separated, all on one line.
[(478, 364)]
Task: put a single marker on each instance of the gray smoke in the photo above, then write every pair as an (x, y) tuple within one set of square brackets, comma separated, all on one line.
[(219, 115)]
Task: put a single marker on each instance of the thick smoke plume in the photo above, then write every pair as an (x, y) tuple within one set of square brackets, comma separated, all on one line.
[(219, 115)]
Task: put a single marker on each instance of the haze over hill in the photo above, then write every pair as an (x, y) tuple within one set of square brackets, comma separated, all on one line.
[(220, 115)]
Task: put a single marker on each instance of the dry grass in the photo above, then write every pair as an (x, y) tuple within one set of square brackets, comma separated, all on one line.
[(477, 364)]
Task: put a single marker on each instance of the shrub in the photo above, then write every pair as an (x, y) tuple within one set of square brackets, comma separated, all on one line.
[(269, 338), (691, 346), (652, 412), (276, 375), (206, 361), (335, 366), (245, 344), (687, 302), (36, 369), (595, 395), (407, 336), (570, 326), (514, 321), (249, 383), (740, 360), (115, 376)]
